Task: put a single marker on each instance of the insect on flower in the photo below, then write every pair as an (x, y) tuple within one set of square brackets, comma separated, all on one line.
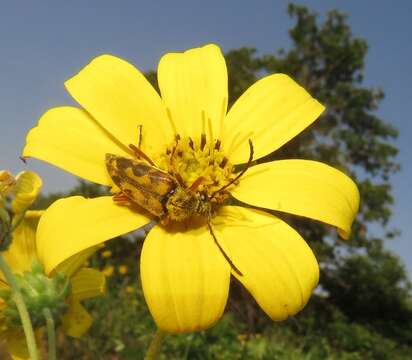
[(183, 171), (165, 194)]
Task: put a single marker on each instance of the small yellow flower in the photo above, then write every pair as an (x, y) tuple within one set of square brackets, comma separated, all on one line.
[(122, 269), (85, 283), (188, 132), (25, 188), (7, 182), (108, 270), (106, 254), (130, 289)]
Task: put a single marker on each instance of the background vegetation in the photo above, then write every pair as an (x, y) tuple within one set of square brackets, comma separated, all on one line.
[(362, 308)]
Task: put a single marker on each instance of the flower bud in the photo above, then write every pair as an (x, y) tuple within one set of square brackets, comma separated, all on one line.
[(39, 292), (7, 182)]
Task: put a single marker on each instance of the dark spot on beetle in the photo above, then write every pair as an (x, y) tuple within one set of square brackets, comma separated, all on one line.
[(140, 169), (123, 163)]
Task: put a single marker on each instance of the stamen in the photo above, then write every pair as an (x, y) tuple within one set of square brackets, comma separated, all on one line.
[(139, 140), (169, 116), (202, 141), (211, 147), (191, 144), (217, 145), (209, 123), (203, 122), (224, 162), (222, 116), (249, 162)]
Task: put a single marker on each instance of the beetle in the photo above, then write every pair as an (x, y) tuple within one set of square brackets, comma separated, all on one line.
[(161, 193)]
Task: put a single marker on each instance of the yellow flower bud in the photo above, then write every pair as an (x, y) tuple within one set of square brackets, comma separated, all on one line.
[(7, 182), (26, 190)]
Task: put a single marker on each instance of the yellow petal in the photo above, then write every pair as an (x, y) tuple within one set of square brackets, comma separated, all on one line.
[(302, 187), (185, 279), (71, 139), (278, 267), (16, 344), (74, 224), (270, 113), (88, 283), (75, 262), (120, 98), (76, 321), (192, 83), (26, 190), (22, 250)]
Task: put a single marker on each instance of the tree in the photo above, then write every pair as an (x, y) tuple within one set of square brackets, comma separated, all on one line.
[(327, 60)]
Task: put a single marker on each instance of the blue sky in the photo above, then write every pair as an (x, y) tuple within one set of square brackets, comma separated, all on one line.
[(42, 43)]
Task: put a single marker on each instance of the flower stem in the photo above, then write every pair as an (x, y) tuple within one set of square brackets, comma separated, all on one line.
[(21, 307), (155, 345), (51, 333)]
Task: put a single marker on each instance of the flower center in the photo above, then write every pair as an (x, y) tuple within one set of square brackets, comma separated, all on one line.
[(198, 165), (189, 179)]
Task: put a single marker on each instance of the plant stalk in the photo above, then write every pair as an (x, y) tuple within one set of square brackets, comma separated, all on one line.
[(51, 334), (155, 345), (21, 307)]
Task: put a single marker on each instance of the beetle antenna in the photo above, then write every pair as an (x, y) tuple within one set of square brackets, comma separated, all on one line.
[(249, 162), (140, 154), (196, 183), (172, 162), (234, 268)]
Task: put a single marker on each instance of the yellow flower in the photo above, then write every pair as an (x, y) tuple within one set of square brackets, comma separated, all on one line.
[(85, 283), (25, 187), (108, 271), (26, 190), (106, 253), (186, 131), (7, 182), (129, 289), (122, 269)]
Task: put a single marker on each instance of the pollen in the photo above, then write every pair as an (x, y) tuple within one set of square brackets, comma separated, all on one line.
[(199, 163)]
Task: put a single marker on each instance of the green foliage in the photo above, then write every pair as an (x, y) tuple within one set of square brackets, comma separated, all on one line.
[(123, 328)]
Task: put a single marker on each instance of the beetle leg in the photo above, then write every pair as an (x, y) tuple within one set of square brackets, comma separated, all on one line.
[(121, 199), (164, 220)]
